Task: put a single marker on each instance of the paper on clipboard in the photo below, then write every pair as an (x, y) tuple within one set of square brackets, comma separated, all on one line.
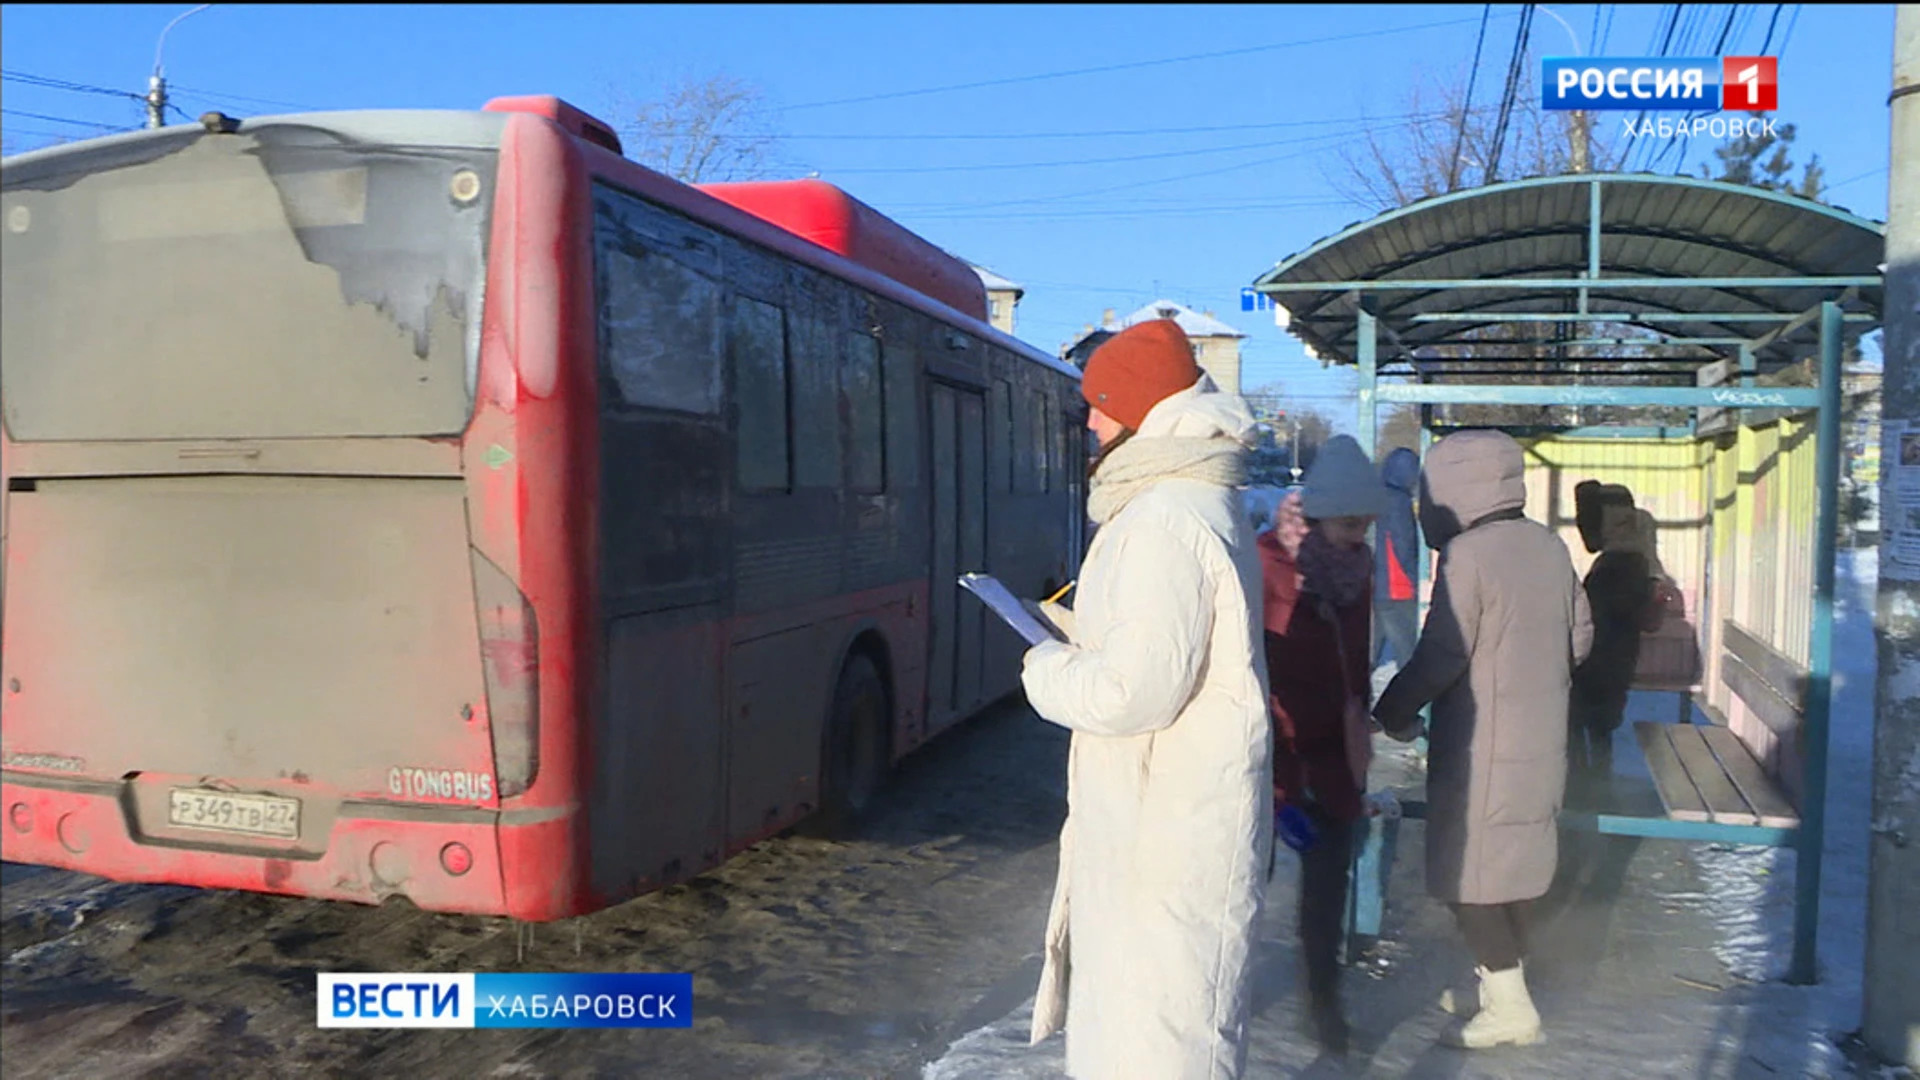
[(1025, 621)]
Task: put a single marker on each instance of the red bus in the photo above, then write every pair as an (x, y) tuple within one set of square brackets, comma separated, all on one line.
[(440, 505)]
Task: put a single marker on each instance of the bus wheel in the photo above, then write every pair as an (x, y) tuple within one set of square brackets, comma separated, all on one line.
[(856, 750)]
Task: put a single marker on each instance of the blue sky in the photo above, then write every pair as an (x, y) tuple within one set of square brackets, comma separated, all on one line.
[(1231, 117)]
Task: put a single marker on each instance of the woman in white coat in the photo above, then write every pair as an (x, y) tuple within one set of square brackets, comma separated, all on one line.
[(1169, 778)]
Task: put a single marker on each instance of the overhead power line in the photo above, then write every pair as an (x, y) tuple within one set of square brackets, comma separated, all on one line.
[(1131, 66), (66, 120), (1040, 199), (1466, 104), (1771, 23), (223, 95), (1516, 66), (29, 79), (1157, 155)]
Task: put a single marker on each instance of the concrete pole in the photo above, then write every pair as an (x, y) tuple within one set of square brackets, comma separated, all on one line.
[(1892, 991)]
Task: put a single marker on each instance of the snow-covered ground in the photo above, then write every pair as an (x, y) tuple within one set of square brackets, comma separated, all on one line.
[(1651, 958)]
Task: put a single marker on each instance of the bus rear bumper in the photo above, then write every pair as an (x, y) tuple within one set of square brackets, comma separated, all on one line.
[(443, 859)]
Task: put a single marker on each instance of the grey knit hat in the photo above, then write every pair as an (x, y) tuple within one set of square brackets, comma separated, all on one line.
[(1343, 483)]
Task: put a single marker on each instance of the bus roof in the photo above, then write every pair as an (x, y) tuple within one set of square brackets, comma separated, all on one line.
[(818, 211)]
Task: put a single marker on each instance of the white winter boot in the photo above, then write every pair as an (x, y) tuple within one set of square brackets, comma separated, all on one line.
[(1506, 1012)]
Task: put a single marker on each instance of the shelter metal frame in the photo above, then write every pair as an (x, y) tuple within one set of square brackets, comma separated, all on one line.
[(1725, 272)]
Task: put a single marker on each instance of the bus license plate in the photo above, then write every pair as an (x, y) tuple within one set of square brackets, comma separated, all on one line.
[(227, 811)]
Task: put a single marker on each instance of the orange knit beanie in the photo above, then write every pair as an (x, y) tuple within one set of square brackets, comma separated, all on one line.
[(1137, 369)]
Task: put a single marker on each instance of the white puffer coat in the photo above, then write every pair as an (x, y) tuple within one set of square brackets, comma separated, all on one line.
[(1169, 778)]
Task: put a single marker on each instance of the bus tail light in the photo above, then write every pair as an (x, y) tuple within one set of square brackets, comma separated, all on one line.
[(510, 657)]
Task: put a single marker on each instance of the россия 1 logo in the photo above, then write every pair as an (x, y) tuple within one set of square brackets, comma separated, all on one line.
[(1687, 84)]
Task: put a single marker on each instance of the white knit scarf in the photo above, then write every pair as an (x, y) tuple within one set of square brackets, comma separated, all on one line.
[(1138, 463)]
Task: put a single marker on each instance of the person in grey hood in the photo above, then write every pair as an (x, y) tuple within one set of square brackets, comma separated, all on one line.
[(1508, 624), (1397, 609)]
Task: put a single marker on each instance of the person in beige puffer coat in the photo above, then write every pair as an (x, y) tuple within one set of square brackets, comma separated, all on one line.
[(1508, 624), (1169, 775)]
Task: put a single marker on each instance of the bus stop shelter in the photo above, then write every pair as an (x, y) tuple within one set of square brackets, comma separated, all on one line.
[(1728, 304)]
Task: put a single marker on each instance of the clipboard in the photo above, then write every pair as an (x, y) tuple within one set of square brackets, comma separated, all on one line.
[(1023, 616)]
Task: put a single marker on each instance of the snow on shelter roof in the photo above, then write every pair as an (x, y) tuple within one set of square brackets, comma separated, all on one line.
[(1709, 239)]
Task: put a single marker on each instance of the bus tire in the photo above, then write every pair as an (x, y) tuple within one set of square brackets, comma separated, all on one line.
[(855, 756)]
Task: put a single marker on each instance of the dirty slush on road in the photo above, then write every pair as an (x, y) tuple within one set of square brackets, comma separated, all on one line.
[(809, 958)]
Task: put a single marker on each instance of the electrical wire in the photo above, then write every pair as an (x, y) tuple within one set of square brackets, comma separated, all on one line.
[(223, 95), (1515, 66), (1133, 65), (1791, 22), (63, 120), (1147, 183), (1466, 104), (1118, 133), (1726, 29), (47, 83), (1771, 23), (1088, 161)]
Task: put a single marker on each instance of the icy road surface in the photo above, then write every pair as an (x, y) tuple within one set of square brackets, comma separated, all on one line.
[(809, 958)]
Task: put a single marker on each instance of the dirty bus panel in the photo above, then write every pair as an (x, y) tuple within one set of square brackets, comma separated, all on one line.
[(207, 656)]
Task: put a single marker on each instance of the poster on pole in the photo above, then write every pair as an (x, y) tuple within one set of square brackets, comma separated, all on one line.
[(1900, 496)]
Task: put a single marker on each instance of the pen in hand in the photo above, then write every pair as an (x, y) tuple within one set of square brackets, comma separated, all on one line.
[(1064, 589)]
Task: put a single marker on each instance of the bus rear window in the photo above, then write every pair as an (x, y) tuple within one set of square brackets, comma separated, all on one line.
[(282, 283)]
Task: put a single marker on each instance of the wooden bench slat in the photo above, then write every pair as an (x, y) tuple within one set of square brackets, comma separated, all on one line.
[(1723, 798), (1773, 710), (1787, 678), (1762, 794), (1677, 792)]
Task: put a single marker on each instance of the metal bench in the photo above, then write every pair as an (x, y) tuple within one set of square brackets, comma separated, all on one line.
[(1710, 785)]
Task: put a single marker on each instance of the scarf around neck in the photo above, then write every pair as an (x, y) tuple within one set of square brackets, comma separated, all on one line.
[(1139, 463), (1341, 576)]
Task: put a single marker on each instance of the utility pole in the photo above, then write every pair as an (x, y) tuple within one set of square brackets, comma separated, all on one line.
[(1892, 990), (156, 98), (1579, 124)]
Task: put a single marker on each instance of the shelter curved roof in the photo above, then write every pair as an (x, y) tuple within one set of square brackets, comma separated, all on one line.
[(1698, 236)]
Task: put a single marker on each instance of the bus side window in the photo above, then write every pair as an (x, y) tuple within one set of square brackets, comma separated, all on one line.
[(660, 323), (762, 426), (1050, 444), (1030, 447), (899, 383), (1003, 437), (814, 330), (866, 419)]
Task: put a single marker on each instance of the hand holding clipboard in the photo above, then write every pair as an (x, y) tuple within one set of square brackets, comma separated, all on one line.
[(1024, 616)]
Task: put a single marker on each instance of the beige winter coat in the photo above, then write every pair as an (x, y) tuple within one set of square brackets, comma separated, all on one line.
[(1169, 822), (1508, 623)]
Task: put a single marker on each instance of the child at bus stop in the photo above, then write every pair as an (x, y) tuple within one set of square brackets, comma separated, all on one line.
[(1396, 608), (1318, 596), (1507, 624), (1169, 772)]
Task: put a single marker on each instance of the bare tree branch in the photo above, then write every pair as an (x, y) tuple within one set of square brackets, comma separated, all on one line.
[(700, 130)]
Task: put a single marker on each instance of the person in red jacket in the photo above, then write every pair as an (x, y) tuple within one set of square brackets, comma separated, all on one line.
[(1318, 600)]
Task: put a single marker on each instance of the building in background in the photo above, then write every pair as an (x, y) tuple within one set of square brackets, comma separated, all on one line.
[(1216, 346), (1003, 297)]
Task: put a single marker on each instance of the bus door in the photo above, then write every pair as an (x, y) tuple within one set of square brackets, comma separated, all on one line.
[(957, 436)]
